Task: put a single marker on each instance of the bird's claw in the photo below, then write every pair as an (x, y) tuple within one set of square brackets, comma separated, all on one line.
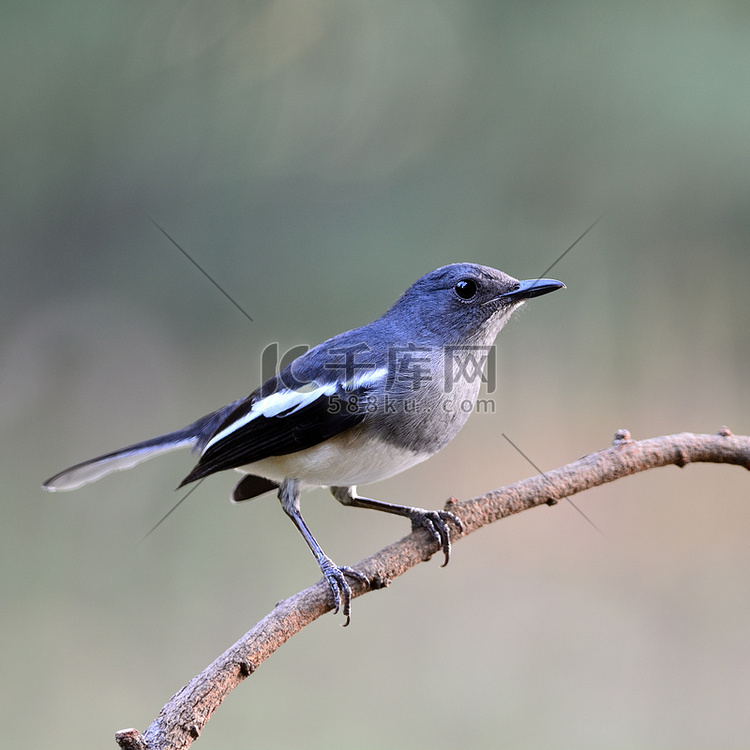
[(340, 589), (435, 521)]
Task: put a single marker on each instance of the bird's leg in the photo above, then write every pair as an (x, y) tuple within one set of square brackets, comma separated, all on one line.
[(289, 494), (433, 520)]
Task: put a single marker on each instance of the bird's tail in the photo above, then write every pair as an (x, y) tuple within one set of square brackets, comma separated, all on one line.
[(192, 436), (95, 468)]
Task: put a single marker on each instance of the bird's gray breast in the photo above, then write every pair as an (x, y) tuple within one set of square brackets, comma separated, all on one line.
[(423, 408)]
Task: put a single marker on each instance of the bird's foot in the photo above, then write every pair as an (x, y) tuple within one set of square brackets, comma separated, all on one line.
[(340, 589), (435, 521)]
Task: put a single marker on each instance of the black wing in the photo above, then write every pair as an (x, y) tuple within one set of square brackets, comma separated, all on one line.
[(251, 486), (303, 420)]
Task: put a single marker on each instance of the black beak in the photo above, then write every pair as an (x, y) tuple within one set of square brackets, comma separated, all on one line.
[(531, 288)]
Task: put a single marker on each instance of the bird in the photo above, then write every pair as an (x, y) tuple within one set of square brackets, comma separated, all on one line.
[(360, 407)]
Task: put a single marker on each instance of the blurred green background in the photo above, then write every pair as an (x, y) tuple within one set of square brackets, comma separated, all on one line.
[(315, 157)]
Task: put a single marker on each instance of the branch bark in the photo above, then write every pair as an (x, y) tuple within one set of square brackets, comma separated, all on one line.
[(184, 716)]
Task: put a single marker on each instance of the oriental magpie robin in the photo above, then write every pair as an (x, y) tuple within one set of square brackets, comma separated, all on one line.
[(360, 407)]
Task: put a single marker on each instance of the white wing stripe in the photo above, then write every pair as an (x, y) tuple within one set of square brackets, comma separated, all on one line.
[(272, 406), (292, 401), (369, 377)]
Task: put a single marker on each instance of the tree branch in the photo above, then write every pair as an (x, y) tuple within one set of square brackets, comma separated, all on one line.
[(184, 716)]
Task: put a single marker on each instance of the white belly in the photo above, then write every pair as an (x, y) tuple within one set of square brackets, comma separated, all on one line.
[(342, 461)]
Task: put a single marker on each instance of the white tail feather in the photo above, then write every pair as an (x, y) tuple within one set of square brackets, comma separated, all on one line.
[(89, 471)]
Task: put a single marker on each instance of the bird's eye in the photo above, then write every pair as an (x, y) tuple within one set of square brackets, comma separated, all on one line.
[(466, 288)]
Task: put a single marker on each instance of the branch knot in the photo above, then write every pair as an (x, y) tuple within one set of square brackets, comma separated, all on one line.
[(621, 437), (130, 739)]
